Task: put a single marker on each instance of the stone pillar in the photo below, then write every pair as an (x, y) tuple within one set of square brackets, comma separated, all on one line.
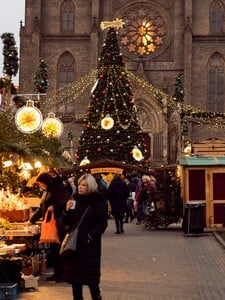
[(94, 35), (29, 34), (188, 51)]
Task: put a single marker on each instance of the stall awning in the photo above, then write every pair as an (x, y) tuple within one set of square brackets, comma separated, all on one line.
[(202, 161)]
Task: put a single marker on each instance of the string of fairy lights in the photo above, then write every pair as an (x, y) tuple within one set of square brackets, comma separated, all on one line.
[(191, 113)]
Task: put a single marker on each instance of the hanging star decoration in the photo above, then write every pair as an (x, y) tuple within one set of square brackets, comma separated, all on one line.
[(118, 23)]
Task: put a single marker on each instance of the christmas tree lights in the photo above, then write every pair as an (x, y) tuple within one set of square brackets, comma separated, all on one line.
[(111, 126)]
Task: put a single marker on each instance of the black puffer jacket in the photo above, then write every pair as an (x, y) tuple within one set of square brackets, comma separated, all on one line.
[(84, 266)]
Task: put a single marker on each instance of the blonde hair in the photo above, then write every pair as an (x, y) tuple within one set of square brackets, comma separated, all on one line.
[(146, 178), (90, 181)]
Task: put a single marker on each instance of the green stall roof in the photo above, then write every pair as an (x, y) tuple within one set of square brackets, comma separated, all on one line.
[(202, 161)]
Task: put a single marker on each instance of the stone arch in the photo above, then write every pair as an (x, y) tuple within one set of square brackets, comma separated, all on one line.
[(150, 115), (153, 123)]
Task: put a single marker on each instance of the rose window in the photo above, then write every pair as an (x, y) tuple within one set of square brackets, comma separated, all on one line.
[(144, 31)]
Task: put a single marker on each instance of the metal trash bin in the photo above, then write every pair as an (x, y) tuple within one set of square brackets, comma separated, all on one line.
[(194, 218)]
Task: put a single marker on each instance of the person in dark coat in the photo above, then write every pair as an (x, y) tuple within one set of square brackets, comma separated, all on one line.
[(54, 198), (83, 267), (117, 194), (130, 200)]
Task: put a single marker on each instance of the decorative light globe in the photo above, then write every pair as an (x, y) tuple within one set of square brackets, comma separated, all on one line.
[(52, 127), (28, 118), (137, 154), (107, 122)]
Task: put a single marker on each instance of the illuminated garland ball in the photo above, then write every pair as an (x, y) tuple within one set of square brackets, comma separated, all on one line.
[(107, 123), (28, 118), (137, 154), (52, 127)]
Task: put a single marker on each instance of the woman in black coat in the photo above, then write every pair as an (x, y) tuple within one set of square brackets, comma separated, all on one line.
[(118, 193), (54, 198), (83, 267)]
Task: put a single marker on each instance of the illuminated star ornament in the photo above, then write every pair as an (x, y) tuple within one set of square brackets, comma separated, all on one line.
[(118, 23)]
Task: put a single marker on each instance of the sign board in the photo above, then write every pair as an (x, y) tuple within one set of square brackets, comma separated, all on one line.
[(107, 170)]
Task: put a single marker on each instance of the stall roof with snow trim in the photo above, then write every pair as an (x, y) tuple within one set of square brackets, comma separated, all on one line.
[(202, 161)]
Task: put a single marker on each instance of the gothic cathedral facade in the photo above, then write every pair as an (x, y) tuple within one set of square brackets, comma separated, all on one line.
[(159, 40)]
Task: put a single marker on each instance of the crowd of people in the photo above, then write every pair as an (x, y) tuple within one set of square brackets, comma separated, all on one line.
[(125, 198)]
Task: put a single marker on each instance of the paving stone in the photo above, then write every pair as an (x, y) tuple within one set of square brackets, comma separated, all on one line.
[(152, 265)]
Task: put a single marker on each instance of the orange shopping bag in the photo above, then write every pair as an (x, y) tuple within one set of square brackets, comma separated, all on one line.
[(49, 232)]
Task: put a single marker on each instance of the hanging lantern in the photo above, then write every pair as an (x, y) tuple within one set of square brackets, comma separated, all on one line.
[(52, 127), (85, 161), (107, 122), (28, 118), (137, 154)]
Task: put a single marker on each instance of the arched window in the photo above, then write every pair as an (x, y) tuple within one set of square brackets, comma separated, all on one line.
[(66, 69), (67, 16), (217, 17), (216, 83)]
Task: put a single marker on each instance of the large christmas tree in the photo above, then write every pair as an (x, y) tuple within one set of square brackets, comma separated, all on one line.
[(111, 127)]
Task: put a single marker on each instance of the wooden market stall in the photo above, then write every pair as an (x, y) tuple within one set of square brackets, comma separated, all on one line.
[(202, 181), (105, 167), (20, 252)]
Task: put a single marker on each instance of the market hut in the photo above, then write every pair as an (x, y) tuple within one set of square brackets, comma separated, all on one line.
[(202, 180)]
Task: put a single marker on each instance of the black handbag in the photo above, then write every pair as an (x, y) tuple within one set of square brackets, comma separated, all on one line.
[(69, 243)]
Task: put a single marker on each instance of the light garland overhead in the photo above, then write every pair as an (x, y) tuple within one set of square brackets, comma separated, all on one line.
[(28, 118), (191, 113)]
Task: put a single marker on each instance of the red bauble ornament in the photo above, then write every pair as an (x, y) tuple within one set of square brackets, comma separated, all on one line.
[(101, 76), (121, 145), (99, 149)]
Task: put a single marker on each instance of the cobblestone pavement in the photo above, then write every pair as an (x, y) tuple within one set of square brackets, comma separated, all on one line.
[(152, 265)]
